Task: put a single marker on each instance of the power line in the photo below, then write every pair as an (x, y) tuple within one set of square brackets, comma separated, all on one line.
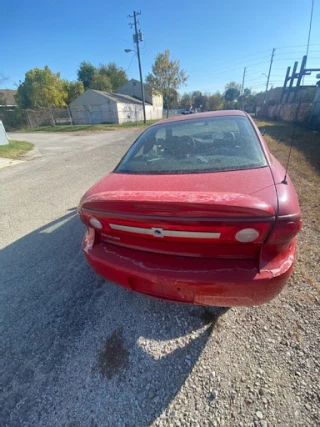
[(285, 59), (253, 80), (300, 52), (257, 53), (234, 63), (240, 68), (130, 62), (242, 61), (300, 45), (253, 63)]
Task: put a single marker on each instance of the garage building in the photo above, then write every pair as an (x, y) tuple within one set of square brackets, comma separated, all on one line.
[(95, 106)]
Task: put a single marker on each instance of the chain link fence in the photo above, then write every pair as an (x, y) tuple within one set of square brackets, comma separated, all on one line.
[(48, 117), (91, 114)]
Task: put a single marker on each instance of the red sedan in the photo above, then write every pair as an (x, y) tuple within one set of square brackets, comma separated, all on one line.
[(197, 211)]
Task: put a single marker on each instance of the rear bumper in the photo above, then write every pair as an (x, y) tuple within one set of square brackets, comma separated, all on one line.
[(189, 280)]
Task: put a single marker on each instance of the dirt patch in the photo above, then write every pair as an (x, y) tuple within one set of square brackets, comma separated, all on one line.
[(114, 357)]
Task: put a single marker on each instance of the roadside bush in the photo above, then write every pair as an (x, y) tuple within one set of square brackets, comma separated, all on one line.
[(13, 119)]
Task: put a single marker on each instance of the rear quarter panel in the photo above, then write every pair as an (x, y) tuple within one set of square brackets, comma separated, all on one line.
[(287, 196), (288, 203)]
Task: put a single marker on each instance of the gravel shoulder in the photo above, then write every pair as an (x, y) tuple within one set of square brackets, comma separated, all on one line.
[(80, 352)]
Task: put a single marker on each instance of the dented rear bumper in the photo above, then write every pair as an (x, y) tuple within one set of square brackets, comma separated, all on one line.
[(199, 281)]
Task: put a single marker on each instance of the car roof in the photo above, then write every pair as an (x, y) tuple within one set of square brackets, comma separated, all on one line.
[(206, 115)]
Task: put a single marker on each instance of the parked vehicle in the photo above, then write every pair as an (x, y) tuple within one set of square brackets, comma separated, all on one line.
[(189, 111), (197, 211)]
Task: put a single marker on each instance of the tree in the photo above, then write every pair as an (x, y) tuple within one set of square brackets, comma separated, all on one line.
[(215, 102), (105, 77), (248, 101), (186, 101), (232, 92), (3, 78), (250, 105), (41, 88), (116, 75), (85, 73), (233, 85), (231, 95), (101, 82), (171, 100), (195, 95), (200, 102), (166, 75), (247, 92), (73, 90)]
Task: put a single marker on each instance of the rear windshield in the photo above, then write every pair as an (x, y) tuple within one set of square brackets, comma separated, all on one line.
[(193, 146)]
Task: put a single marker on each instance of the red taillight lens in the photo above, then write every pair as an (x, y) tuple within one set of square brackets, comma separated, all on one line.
[(284, 231), (90, 220)]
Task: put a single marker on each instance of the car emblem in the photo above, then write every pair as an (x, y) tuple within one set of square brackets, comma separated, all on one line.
[(157, 232)]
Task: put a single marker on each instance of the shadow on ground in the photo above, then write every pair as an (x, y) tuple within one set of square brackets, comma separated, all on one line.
[(77, 350)]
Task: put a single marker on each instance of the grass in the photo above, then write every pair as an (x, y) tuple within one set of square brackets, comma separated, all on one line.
[(15, 149), (90, 128), (304, 165), (304, 170)]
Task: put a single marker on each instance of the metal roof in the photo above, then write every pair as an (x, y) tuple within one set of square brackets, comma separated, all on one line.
[(8, 95), (117, 97)]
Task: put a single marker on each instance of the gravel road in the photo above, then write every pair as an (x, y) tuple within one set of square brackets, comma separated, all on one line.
[(80, 352)]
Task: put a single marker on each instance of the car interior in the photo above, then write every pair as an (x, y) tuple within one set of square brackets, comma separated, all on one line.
[(198, 146)]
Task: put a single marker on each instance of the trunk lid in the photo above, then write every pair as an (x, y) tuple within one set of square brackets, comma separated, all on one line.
[(215, 215)]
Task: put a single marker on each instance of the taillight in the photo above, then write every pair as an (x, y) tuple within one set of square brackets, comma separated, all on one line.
[(177, 230), (90, 220), (220, 232), (95, 223), (284, 231), (247, 235), (280, 239)]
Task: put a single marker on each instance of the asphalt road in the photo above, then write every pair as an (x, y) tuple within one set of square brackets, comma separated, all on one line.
[(77, 351)]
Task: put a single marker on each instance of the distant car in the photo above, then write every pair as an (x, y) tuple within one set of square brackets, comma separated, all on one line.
[(189, 111), (198, 211)]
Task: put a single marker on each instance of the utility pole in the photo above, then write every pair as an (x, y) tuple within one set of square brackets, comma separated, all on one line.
[(137, 38), (310, 26), (268, 77), (270, 68), (242, 87), (309, 34)]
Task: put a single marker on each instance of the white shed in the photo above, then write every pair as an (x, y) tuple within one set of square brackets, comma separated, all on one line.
[(95, 106), (133, 89)]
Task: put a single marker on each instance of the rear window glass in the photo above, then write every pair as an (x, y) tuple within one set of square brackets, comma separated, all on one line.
[(192, 146)]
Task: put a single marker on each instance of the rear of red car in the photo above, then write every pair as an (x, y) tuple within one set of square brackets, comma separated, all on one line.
[(203, 238)]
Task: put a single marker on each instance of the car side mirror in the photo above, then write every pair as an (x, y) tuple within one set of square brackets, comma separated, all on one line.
[(262, 131)]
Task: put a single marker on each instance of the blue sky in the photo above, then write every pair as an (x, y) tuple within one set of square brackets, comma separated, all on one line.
[(213, 40)]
